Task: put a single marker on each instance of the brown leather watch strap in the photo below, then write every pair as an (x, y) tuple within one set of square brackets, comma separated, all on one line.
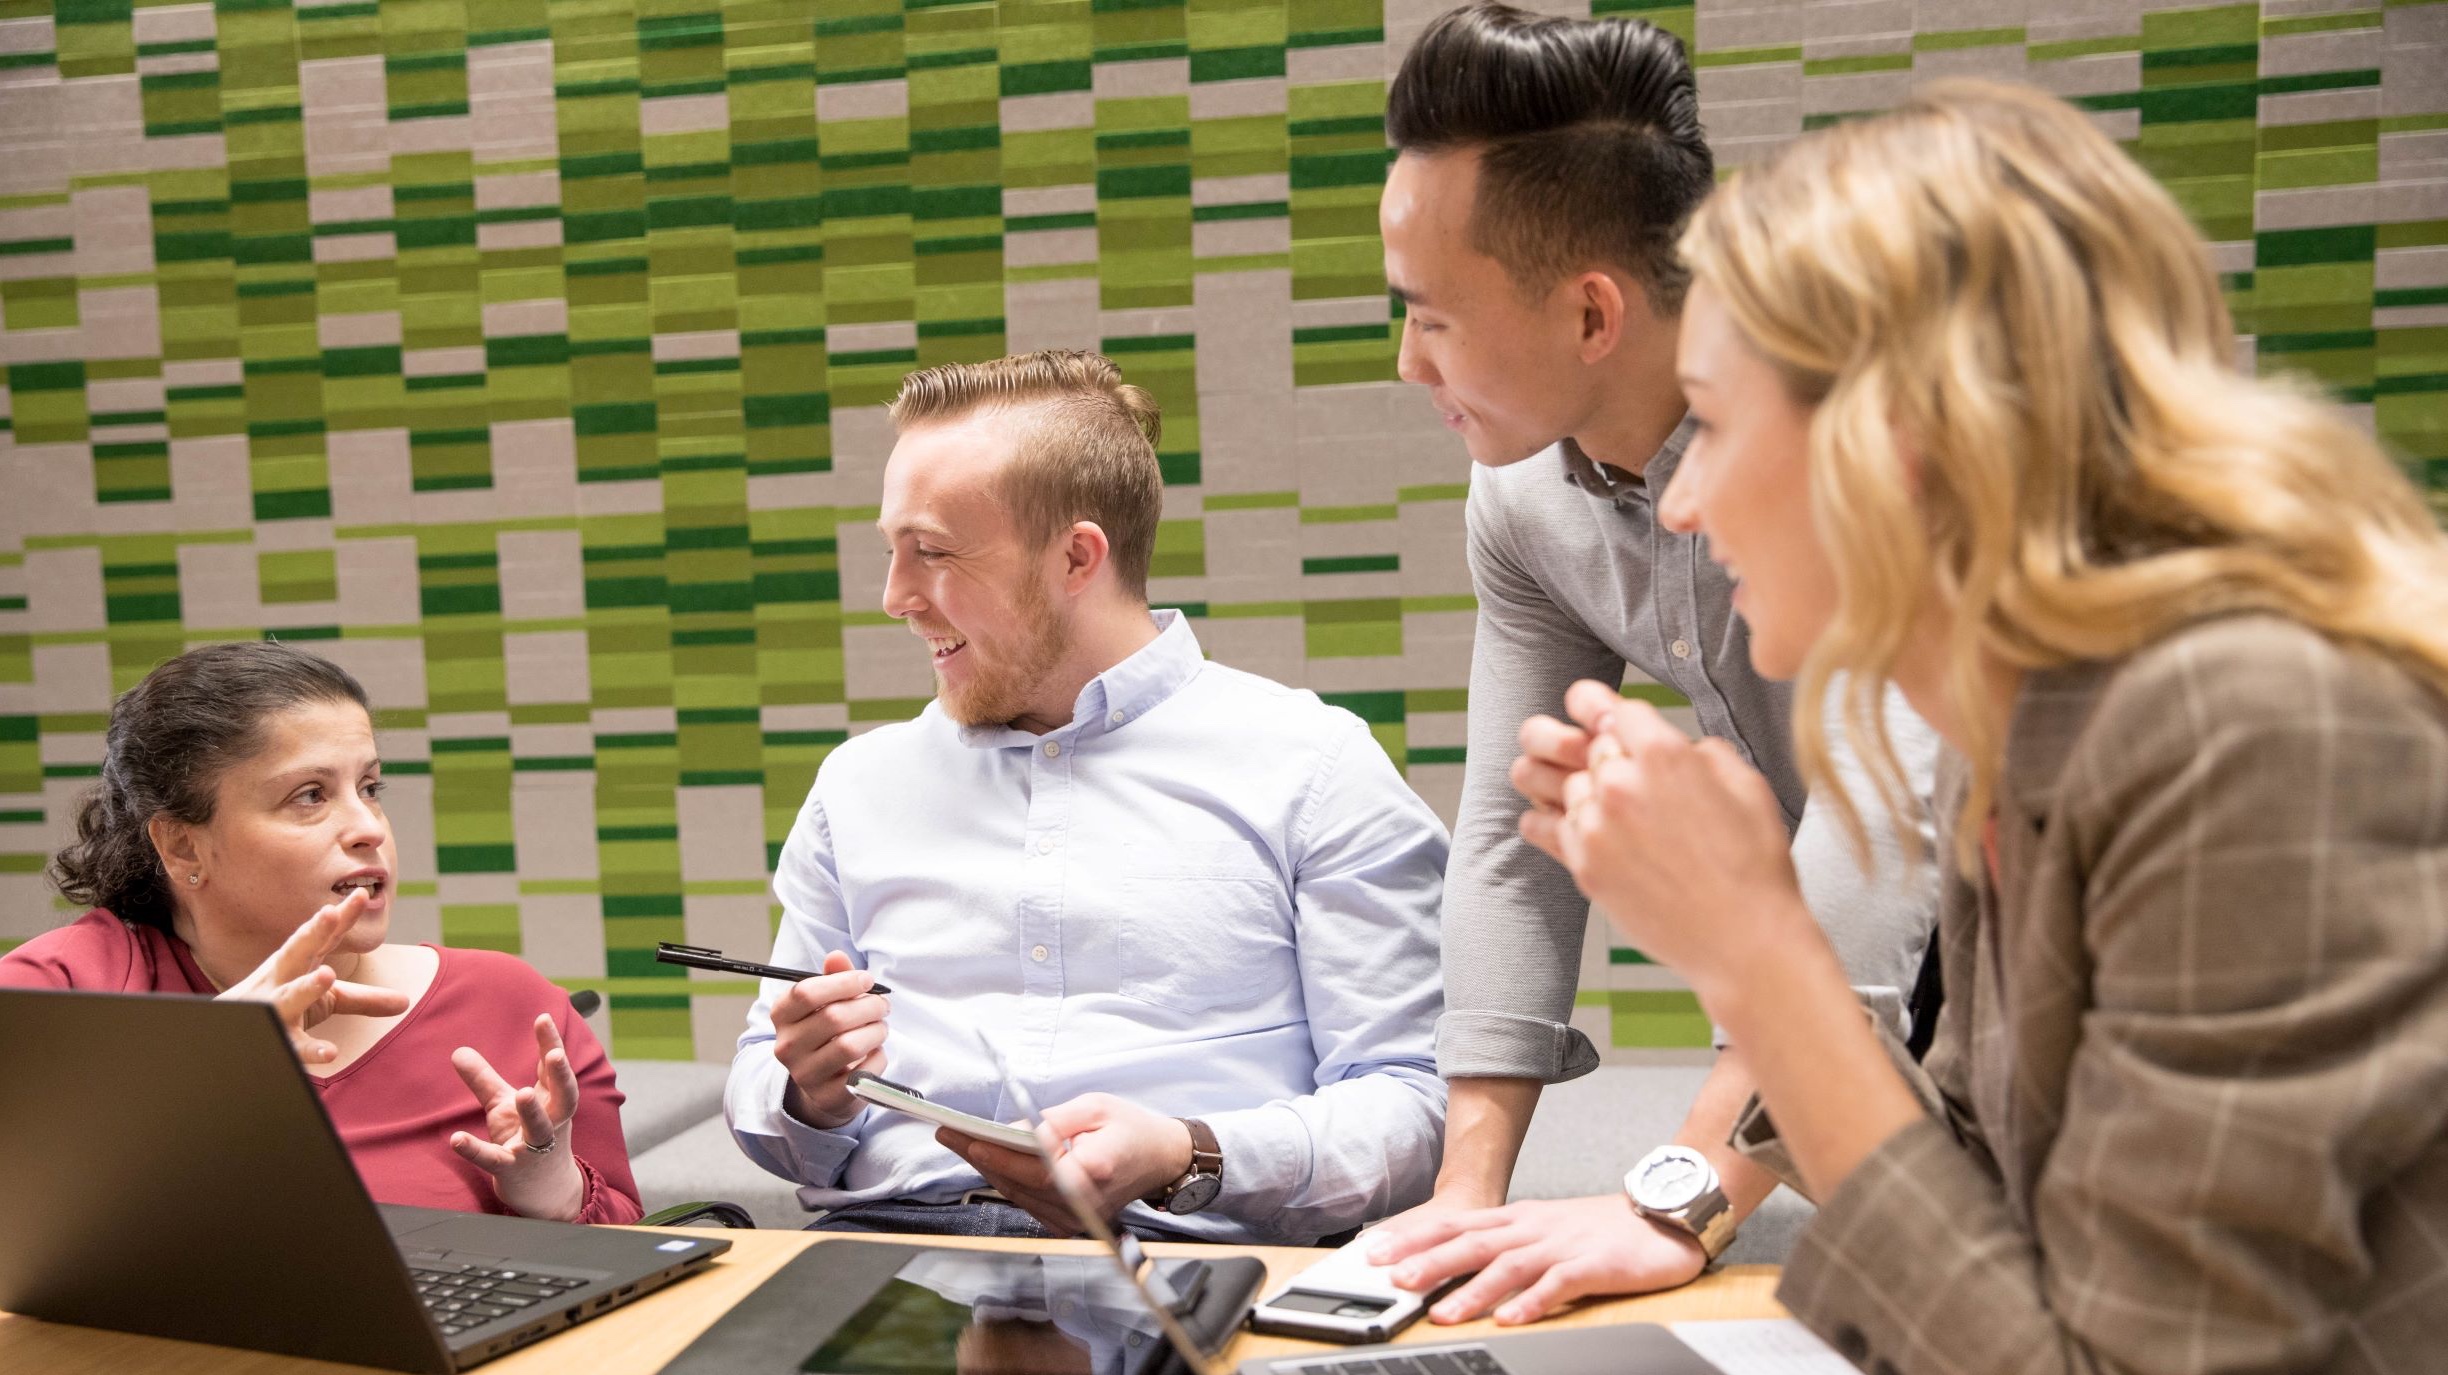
[(1204, 1148), (1206, 1161)]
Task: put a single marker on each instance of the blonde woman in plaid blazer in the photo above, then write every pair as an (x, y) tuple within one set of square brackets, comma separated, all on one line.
[(1971, 424)]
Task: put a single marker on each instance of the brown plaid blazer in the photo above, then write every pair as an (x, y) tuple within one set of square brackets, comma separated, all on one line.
[(2190, 1086)]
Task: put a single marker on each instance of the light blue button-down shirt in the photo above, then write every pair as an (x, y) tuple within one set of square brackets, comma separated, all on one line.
[(1209, 894)]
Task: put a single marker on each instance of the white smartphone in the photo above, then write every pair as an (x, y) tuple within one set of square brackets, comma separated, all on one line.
[(884, 1093), (1343, 1298)]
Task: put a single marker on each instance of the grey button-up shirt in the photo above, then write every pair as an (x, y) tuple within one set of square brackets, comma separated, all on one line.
[(1577, 579)]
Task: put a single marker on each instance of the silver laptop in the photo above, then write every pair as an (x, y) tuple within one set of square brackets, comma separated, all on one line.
[(907, 1305), (1617, 1349), (1146, 1282), (167, 1169)]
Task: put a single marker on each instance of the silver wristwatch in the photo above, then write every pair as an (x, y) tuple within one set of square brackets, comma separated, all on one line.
[(1677, 1187)]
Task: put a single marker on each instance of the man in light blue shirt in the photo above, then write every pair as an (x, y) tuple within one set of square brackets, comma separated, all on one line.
[(1195, 910)]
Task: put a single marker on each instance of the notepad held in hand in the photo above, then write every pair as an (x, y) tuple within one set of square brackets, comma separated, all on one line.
[(884, 1093)]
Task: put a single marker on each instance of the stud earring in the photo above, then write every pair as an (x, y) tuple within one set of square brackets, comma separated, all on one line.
[(194, 879)]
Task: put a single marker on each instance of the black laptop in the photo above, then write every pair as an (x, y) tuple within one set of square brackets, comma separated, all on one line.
[(166, 1168)]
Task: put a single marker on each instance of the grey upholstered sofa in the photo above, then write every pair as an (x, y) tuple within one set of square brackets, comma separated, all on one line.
[(1586, 1134)]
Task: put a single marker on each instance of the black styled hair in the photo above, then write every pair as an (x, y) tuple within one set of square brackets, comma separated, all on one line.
[(1588, 133), (171, 739)]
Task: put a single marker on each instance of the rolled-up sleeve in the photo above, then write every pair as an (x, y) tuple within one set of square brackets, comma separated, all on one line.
[(814, 921), (1367, 879), (1513, 918)]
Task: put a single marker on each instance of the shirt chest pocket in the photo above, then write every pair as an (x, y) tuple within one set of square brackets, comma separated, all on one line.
[(1197, 926)]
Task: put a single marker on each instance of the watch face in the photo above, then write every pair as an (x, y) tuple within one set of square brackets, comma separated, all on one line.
[(1196, 1194), (1669, 1180)]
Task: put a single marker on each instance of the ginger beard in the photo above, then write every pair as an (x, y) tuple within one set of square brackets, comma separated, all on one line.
[(1003, 672)]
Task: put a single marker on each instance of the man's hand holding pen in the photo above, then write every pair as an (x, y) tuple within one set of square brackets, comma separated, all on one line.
[(829, 1023)]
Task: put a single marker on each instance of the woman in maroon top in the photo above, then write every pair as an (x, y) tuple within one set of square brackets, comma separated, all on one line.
[(240, 790)]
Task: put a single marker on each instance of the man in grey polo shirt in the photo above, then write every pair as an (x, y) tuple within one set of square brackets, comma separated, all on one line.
[(1545, 168)]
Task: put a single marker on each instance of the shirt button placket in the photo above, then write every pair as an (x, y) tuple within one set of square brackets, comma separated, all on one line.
[(1049, 814)]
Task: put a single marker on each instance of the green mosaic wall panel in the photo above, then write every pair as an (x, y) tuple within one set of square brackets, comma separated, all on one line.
[(527, 358)]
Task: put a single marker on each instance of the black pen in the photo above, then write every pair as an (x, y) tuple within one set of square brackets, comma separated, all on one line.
[(706, 957)]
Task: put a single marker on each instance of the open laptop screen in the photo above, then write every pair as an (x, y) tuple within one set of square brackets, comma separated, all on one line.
[(1148, 1283), (997, 1313)]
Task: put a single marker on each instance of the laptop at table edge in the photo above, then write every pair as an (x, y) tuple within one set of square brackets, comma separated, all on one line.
[(198, 1167)]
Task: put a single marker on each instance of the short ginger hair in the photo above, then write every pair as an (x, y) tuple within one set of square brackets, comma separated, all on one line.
[(1087, 452)]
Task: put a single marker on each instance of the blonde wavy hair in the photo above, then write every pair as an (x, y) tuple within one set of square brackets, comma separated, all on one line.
[(2027, 397)]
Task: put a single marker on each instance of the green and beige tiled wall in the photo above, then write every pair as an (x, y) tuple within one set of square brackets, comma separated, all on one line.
[(527, 358)]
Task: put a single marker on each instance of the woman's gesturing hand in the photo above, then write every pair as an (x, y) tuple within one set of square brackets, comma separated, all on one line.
[(526, 1143), (1679, 841), (298, 983)]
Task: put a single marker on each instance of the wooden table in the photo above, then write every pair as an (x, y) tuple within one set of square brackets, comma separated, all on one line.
[(644, 1336)]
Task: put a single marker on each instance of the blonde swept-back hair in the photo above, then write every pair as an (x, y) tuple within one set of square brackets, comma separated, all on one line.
[(1088, 451), (2027, 397)]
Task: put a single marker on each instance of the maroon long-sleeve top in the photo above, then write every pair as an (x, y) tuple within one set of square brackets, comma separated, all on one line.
[(397, 1104)]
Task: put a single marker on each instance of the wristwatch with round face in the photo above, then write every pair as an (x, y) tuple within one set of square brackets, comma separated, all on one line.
[(1675, 1186), (1199, 1185)]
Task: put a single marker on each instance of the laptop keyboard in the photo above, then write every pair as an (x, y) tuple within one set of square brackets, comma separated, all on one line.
[(1448, 1360), (462, 1296)]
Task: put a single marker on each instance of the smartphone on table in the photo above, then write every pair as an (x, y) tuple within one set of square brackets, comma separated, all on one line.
[(1343, 1298)]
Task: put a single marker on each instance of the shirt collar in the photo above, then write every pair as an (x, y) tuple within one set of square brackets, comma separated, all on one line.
[(1121, 694), (1595, 478)]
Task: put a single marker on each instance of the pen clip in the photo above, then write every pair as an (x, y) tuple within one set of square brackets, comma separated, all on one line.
[(676, 948)]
